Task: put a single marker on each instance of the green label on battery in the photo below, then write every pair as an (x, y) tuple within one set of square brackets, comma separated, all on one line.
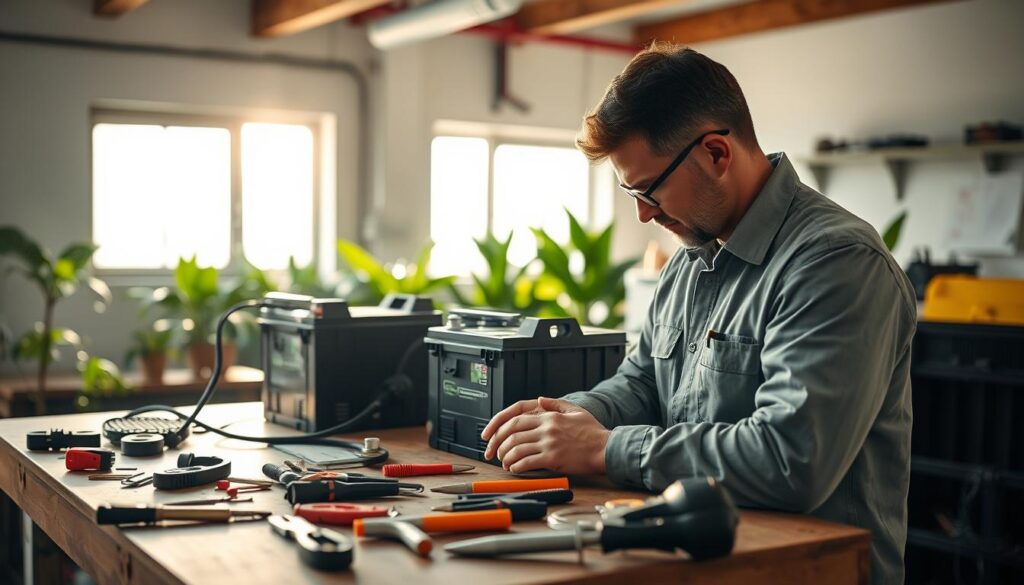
[(450, 388), (478, 374)]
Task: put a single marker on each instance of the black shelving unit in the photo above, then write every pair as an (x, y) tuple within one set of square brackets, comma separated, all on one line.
[(966, 499)]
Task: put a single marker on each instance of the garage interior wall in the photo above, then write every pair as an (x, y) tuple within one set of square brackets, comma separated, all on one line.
[(925, 70)]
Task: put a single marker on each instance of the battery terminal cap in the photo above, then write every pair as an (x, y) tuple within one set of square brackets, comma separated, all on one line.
[(371, 445), (455, 322)]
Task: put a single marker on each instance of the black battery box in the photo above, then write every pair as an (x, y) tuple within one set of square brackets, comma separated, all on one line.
[(324, 361), (484, 361)]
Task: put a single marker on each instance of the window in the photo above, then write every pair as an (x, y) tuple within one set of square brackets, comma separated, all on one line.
[(480, 184), (164, 188)]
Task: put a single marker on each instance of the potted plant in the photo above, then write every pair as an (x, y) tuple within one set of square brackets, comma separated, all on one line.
[(57, 278), (196, 303), (149, 349), (505, 287), (376, 280), (594, 294)]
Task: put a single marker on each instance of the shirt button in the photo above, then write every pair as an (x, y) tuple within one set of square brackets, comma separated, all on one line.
[(692, 347)]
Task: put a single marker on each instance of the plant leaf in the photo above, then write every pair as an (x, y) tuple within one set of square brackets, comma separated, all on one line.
[(891, 236), (367, 267), (577, 235)]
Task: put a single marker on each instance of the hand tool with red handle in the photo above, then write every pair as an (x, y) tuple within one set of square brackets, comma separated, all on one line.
[(413, 469), (79, 459), (508, 485), (337, 513), (431, 523)]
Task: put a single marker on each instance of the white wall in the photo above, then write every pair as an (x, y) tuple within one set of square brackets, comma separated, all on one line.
[(925, 70), (453, 79), (46, 94)]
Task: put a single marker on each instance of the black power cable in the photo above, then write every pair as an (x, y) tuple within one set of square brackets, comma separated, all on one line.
[(396, 385)]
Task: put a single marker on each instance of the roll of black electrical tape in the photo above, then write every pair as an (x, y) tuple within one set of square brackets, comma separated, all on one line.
[(142, 445)]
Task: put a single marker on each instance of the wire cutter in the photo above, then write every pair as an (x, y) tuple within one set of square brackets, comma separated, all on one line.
[(320, 548), (337, 513)]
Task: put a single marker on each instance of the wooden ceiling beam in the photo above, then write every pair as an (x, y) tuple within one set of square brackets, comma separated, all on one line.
[(115, 8), (760, 16), (278, 18), (560, 17)]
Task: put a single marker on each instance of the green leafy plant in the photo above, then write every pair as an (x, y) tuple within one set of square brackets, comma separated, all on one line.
[(157, 339), (891, 235), (592, 295), (377, 280), (57, 278), (305, 280), (197, 300), (505, 286)]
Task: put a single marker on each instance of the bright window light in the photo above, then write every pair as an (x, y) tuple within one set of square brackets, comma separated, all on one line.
[(277, 194), (458, 203), (532, 185), (160, 193)]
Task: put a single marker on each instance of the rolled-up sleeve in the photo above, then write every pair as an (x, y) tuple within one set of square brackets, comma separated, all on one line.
[(627, 400), (831, 341)]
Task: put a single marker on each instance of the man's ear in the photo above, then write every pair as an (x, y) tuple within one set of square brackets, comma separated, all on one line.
[(719, 153)]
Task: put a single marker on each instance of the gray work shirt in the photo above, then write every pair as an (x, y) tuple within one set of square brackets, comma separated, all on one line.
[(778, 364)]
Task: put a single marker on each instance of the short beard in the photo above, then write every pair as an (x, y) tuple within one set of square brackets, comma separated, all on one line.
[(708, 219)]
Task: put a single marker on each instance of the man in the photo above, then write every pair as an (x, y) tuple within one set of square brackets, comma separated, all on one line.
[(775, 356)]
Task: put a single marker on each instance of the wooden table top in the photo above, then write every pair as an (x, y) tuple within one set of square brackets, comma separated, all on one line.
[(770, 547)]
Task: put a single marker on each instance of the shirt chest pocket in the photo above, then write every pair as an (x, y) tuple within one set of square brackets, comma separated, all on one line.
[(728, 377)]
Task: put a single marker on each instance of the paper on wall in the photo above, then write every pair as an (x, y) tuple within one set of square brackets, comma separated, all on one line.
[(986, 215)]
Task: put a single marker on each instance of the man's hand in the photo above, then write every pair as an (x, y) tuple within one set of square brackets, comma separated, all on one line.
[(546, 433)]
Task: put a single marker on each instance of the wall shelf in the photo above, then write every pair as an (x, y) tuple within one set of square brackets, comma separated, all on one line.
[(991, 156)]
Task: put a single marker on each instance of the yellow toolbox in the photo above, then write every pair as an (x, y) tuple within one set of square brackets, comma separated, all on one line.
[(967, 299)]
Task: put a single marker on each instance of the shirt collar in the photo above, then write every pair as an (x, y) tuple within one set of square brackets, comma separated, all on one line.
[(757, 228)]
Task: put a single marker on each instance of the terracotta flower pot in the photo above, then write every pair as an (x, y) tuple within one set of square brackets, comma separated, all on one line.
[(152, 366), (200, 358)]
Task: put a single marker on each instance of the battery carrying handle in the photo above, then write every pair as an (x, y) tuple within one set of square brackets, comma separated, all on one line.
[(550, 329)]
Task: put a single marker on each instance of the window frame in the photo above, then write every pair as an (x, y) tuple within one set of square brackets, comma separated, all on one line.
[(233, 124), (526, 137)]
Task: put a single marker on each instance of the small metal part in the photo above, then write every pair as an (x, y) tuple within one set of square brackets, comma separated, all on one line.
[(371, 446), (454, 322), (136, 481), (209, 501), (110, 476), (576, 518)]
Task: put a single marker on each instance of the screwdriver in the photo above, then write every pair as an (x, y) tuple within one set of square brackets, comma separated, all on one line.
[(550, 496), (149, 514), (411, 469), (521, 509), (509, 485), (432, 523)]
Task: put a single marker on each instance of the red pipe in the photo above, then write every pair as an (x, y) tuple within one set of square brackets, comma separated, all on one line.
[(508, 30), (513, 34)]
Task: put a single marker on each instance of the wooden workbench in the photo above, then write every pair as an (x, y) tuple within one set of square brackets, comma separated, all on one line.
[(770, 547)]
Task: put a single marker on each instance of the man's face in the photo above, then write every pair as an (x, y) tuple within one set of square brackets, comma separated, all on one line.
[(693, 207)]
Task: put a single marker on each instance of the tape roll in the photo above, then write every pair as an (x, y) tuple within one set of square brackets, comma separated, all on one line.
[(142, 445)]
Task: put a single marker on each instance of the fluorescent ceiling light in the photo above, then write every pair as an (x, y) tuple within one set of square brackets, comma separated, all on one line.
[(435, 19)]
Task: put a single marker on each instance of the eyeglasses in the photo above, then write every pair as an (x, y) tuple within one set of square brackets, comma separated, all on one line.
[(646, 195)]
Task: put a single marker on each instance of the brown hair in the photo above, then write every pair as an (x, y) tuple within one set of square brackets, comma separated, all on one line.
[(664, 95)]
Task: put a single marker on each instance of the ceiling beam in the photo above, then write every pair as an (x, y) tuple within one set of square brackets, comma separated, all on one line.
[(278, 18), (115, 8), (760, 16), (560, 17)]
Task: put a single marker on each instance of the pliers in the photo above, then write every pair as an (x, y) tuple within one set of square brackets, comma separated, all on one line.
[(320, 548)]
